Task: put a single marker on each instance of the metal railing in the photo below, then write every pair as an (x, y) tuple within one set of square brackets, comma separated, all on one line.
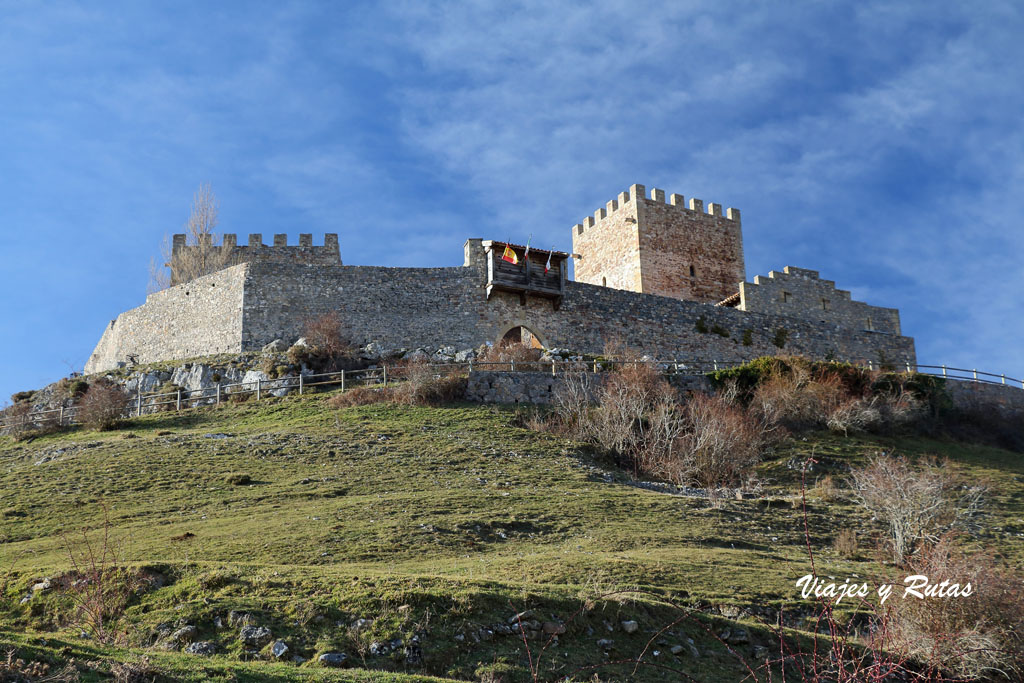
[(184, 399)]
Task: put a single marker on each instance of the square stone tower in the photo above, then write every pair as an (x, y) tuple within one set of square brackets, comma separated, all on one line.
[(643, 244)]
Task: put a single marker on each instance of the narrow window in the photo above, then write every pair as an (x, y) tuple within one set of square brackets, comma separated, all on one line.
[(786, 296), (824, 304), (604, 282), (870, 325), (693, 272)]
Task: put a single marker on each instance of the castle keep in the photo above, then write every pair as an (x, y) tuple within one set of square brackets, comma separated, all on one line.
[(655, 275)]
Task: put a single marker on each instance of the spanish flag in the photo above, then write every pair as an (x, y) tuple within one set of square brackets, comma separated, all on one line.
[(510, 255)]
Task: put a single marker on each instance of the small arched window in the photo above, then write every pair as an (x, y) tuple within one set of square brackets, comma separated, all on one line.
[(604, 282), (693, 272)]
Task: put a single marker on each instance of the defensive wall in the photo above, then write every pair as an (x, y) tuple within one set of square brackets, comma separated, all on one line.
[(305, 252), (246, 306)]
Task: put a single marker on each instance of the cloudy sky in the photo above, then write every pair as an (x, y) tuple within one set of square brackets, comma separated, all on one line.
[(880, 143)]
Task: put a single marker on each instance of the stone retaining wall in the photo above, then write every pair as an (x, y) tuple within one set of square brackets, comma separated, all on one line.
[(541, 387)]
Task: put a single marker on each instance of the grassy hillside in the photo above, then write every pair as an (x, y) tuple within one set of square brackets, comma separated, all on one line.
[(407, 537)]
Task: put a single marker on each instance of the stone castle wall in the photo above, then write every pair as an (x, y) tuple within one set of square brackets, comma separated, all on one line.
[(799, 292), (644, 244), (281, 252), (199, 318), (244, 307)]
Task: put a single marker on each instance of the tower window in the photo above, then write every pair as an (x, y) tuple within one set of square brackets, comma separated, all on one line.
[(604, 282), (693, 272), (786, 296), (870, 325), (824, 304)]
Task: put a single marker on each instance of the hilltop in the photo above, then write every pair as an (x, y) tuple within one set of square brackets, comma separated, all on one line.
[(410, 537)]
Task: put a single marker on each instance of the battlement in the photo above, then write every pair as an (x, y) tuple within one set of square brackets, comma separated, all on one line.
[(661, 245), (279, 252), (638, 193), (801, 293)]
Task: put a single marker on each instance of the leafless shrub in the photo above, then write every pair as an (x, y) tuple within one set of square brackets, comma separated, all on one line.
[(719, 446), (103, 405), (918, 503), (509, 355), (420, 383), (573, 400), (139, 671), (17, 420), (327, 350), (969, 637), (875, 413), (201, 257), (797, 399), (846, 544), (97, 584), (15, 670), (359, 396)]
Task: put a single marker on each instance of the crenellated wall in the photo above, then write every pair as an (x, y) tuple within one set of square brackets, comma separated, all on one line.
[(280, 252), (801, 293), (643, 244)]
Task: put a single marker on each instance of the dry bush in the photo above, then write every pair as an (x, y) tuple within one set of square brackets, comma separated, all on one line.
[(918, 503), (103, 405), (968, 637), (420, 383), (825, 488), (359, 396), (720, 445), (138, 671), (875, 413), (798, 399), (509, 355), (327, 348), (846, 544), (626, 398), (573, 400), (17, 420)]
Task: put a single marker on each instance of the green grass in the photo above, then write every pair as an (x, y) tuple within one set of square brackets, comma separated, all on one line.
[(434, 522)]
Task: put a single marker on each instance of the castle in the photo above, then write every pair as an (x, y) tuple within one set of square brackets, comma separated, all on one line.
[(659, 276)]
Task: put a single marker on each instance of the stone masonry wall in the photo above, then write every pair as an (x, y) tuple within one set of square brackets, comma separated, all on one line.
[(197, 318), (644, 244), (411, 307), (244, 307), (800, 293), (326, 255)]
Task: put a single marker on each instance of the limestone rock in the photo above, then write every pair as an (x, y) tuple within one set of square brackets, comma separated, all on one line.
[(334, 659), (185, 634), (276, 346), (465, 356), (255, 636), (203, 648), (279, 649), (630, 626)]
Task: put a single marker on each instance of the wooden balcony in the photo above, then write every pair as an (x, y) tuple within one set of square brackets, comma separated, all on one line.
[(527, 278)]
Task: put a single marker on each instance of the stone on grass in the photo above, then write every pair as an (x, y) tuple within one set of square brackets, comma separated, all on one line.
[(279, 649), (204, 648), (332, 659), (185, 634), (255, 636), (630, 626)]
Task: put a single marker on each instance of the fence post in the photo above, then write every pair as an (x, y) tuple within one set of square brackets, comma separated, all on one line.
[(1004, 378), (178, 405), (471, 365), (300, 384), (908, 367), (218, 394), (552, 367), (943, 370), (975, 374), (138, 404), (595, 365), (385, 368), (871, 365), (259, 387), (343, 381), (60, 419)]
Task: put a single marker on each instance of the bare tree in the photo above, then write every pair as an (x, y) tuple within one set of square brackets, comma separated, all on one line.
[(918, 503), (199, 256)]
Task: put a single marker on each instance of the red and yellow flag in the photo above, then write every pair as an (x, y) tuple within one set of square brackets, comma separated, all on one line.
[(510, 255)]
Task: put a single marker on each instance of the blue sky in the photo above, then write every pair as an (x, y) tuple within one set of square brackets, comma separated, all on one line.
[(880, 143)]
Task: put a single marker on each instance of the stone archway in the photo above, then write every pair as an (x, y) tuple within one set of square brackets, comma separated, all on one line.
[(521, 333)]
